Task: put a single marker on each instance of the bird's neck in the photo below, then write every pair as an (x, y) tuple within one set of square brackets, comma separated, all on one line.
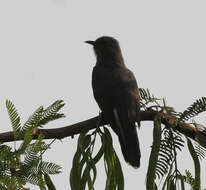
[(111, 61)]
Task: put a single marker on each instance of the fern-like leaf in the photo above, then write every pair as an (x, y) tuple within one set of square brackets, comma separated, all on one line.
[(50, 113), (146, 95), (14, 117), (49, 168), (197, 107), (200, 151), (32, 179), (146, 98), (25, 164), (33, 120), (171, 142)]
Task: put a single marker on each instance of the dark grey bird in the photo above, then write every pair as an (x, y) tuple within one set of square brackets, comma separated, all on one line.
[(116, 92)]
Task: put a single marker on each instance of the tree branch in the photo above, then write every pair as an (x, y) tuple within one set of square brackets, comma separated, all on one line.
[(76, 128)]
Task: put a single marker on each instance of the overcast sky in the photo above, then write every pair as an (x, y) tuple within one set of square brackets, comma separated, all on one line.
[(43, 58)]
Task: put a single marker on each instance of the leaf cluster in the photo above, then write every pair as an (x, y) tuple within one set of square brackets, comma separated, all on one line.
[(25, 164), (84, 171), (163, 162)]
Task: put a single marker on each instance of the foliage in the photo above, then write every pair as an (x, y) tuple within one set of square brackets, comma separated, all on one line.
[(196, 182), (163, 163), (84, 171), (150, 184), (197, 107), (25, 164)]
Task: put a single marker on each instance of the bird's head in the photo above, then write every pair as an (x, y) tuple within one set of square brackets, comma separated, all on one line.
[(107, 50)]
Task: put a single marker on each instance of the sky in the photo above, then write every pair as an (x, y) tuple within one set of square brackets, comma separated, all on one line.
[(44, 58)]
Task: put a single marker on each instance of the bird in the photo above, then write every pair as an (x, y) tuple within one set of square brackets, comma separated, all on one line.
[(116, 92)]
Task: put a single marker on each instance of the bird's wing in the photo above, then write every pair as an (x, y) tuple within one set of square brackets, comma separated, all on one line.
[(117, 95), (114, 87)]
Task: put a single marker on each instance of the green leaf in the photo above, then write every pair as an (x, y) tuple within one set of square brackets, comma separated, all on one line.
[(196, 164), (150, 184), (99, 154), (14, 117), (75, 174), (51, 112), (86, 177), (171, 185), (181, 178), (25, 164), (115, 178), (84, 171), (196, 108), (49, 168), (188, 178), (33, 121), (119, 173), (25, 143), (86, 142), (49, 182)]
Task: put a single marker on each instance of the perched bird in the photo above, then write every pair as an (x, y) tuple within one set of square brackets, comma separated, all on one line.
[(116, 92)]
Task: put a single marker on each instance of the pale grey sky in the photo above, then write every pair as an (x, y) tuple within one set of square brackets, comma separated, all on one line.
[(43, 58)]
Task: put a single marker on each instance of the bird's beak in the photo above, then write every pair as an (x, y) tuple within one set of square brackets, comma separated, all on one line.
[(90, 42)]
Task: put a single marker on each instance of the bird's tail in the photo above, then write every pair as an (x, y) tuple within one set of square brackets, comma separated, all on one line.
[(126, 131)]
